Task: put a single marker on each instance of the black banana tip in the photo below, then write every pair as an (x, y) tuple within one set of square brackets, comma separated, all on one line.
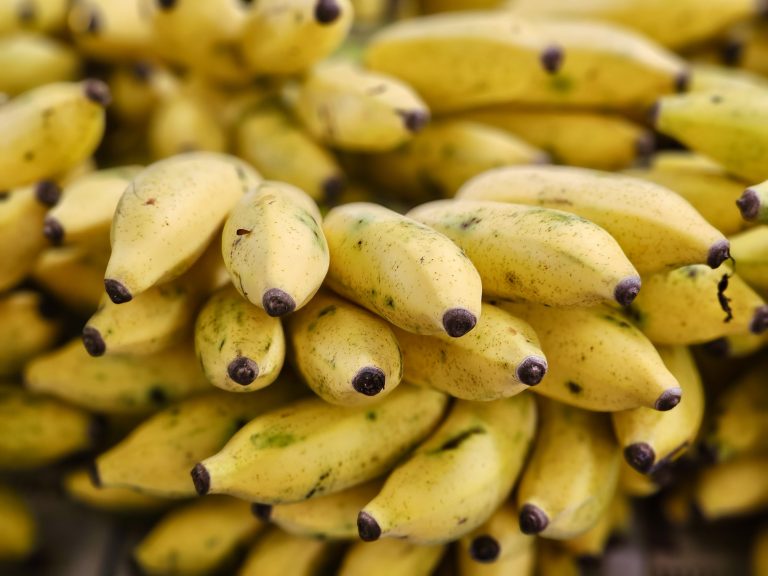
[(117, 292), (749, 204), (759, 322), (201, 479), (668, 399), (484, 549), (640, 456), (645, 146), (243, 370), (93, 342), (53, 230), (683, 81), (277, 303), (97, 91), (332, 188), (367, 527), (458, 321), (552, 58), (262, 511), (653, 113), (719, 348), (627, 290), (532, 519), (531, 370), (93, 474), (719, 252), (93, 25), (47, 192), (165, 4), (97, 429), (732, 53), (327, 11), (414, 120), (369, 380)]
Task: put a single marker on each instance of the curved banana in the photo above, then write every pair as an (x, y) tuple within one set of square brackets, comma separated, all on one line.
[(535, 254), (111, 30), (402, 270), (32, 60), (750, 251), (391, 557), (716, 78), (636, 484), (733, 488), (18, 528), (138, 89), (656, 228), (455, 479), (311, 448), (592, 543), (277, 553), (685, 160), (26, 330), (79, 487), (47, 16)]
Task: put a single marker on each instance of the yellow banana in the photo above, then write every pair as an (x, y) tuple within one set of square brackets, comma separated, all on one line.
[(39, 15), (737, 345), (535, 254), (733, 488), (553, 560), (26, 330), (391, 557), (430, 6), (310, 448), (18, 528), (111, 30), (685, 160), (752, 203), (591, 544), (656, 228), (454, 480), (138, 89), (402, 270), (597, 360), (714, 78), (79, 487), (750, 251), (32, 60), (350, 108), (168, 215), (634, 483), (572, 474), (499, 358), (277, 554), (49, 130)]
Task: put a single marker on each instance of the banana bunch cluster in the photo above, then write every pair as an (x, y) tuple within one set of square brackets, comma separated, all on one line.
[(299, 277)]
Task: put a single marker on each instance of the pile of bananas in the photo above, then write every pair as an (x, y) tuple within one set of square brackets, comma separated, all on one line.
[(365, 287)]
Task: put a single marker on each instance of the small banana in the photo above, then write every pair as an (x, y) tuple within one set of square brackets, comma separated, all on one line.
[(752, 203), (79, 487), (111, 30), (535, 254), (636, 484), (310, 448), (572, 474), (719, 78), (390, 556), (685, 160), (47, 16), (750, 251), (402, 270), (592, 543), (26, 330), (138, 89), (454, 480), (277, 553), (734, 488), (32, 60), (18, 528)]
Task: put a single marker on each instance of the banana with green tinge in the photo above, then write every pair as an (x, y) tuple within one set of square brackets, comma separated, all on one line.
[(572, 474), (277, 553), (656, 228), (111, 30), (310, 448), (79, 487), (32, 60), (18, 528), (733, 488), (390, 556), (535, 254), (454, 480), (402, 270), (499, 358), (26, 330)]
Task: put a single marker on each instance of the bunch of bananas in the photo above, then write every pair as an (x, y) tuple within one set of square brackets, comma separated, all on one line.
[(302, 279)]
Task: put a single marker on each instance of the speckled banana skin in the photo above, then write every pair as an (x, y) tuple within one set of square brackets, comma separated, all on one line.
[(391, 557), (310, 447), (31, 60), (401, 269), (25, 331), (277, 553), (79, 487), (535, 254), (112, 30), (734, 488), (656, 228), (457, 478), (18, 528)]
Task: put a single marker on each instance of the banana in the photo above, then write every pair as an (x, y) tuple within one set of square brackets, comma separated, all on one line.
[(750, 251), (656, 228), (760, 552), (277, 553), (26, 330), (111, 30), (454, 480), (138, 89), (733, 488), (752, 203), (168, 215), (275, 265), (737, 345), (501, 357), (597, 360), (335, 447), (716, 78), (402, 270), (18, 527), (723, 302), (155, 458), (677, 503), (651, 439), (47, 16), (572, 474), (280, 149), (49, 130), (36, 430), (535, 254), (636, 484), (32, 60), (347, 107), (391, 557), (197, 538), (116, 384), (289, 36), (553, 560), (592, 543), (79, 487), (685, 160), (430, 6), (239, 346)]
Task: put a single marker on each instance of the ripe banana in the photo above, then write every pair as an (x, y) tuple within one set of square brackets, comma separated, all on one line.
[(499, 358), (454, 480), (733, 488), (138, 89), (402, 270), (391, 557), (346, 354), (572, 474), (311, 448), (79, 487), (656, 228), (47, 16), (553, 560), (18, 528), (32, 60), (535, 254), (685, 160), (592, 543), (111, 30), (752, 203), (277, 554), (750, 251), (26, 330), (74, 275), (718, 78), (636, 484)]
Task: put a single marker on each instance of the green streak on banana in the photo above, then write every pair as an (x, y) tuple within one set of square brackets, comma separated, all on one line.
[(277, 554), (656, 228), (572, 474), (535, 254), (32, 60), (311, 448), (455, 479), (752, 203), (168, 215), (650, 438), (553, 560), (111, 30), (155, 458), (402, 270), (37, 15), (274, 248), (734, 488), (197, 538), (117, 384), (18, 528), (597, 360), (499, 358), (346, 354), (240, 347), (391, 557), (750, 251), (350, 108), (50, 129), (79, 487), (25, 331), (36, 430), (591, 544), (635, 484)]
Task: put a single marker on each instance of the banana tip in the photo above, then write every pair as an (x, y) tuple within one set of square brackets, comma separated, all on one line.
[(243, 370), (97, 91), (53, 230), (719, 252), (759, 322), (414, 120), (653, 113), (484, 549), (458, 321), (201, 479), (47, 192), (645, 146), (93, 475), (683, 81), (640, 456), (719, 348), (333, 187), (327, 11), (668, 399), (532, 519), (165, 4), (262, 511), (117, 291), (277, 303), (627, 290), (367, 527), (369, 380), (531, 370), (93, 342), (552, 58), (749, 204)]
